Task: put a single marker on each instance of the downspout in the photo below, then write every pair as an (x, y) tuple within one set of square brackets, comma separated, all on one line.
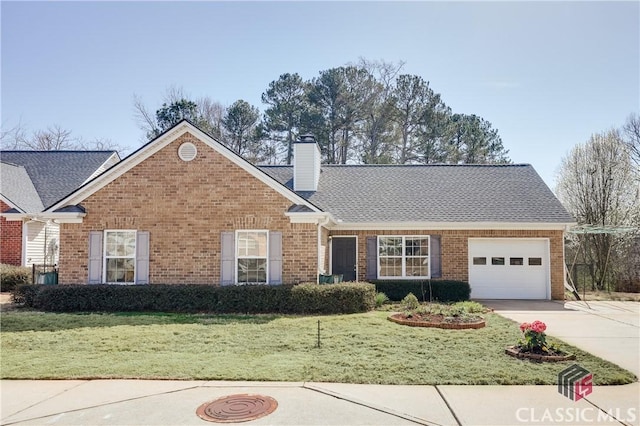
[(25, 230), (319, 245), (44, 249)]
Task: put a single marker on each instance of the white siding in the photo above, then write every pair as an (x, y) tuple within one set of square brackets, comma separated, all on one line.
[(306, 166), (41, 243)]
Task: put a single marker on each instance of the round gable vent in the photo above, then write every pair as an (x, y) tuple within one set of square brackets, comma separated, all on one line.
[(187, 151)]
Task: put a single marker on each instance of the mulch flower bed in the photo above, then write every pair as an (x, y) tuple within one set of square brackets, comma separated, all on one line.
[(437, 321), (549, 356)]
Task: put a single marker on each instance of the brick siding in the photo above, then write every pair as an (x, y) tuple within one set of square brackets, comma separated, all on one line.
[(10, 239), (185, 206), (455, 253)]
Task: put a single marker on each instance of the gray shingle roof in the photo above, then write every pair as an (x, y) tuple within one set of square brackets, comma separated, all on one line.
[(17, 187), (432, 193), (56, 174)]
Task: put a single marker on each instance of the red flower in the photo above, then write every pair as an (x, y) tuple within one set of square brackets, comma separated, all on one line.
[(524, 326), (538, 326)]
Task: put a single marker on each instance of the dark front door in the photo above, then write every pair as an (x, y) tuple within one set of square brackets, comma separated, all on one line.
[(343, 257)]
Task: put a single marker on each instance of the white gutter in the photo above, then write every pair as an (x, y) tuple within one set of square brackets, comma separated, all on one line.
[(308, 217), (67, 217), (373, 226), (321, 224)]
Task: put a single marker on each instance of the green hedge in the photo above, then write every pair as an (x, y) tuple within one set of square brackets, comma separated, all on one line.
[(13, 276), (299, 299), (343, 298), (425, 290), (25, 294)]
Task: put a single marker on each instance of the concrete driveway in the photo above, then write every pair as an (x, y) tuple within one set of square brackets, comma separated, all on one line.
[(610, 330)]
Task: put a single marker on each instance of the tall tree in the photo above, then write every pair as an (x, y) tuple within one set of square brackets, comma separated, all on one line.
[(241, 126), (360, 90), (412, 95), (471, 139), (204, 112), (210, 114), (376, 137), (431, 146), (286, 99), (170, 114), (326, 98), (596, 185)]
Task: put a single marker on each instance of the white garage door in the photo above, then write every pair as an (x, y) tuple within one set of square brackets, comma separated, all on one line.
[(509, 268)]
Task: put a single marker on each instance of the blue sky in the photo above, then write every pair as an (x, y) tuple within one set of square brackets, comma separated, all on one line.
[(547, 75)]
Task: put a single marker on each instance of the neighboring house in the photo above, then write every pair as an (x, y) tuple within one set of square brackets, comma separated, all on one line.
[(30, 181), (186, 209)]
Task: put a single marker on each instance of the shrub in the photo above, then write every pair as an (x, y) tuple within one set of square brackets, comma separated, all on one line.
[(343, 298), (472, 307), (628, 285), (456, 312), (410, 302), (249, 299), (381, 299), (426, 290), (25, 294), (13, 276)]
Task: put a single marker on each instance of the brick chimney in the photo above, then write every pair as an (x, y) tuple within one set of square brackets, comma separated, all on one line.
[(306, 164)]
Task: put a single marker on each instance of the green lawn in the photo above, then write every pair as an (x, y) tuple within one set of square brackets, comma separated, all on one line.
[(360, 348)]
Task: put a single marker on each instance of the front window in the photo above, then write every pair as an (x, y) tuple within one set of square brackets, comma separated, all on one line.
[(120, 257), (403, 257), (251, 255)]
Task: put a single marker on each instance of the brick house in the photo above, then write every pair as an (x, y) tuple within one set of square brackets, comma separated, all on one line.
[(186, 209), (30, 181)]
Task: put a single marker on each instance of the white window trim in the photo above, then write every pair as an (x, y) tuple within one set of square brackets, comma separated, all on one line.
[(104, 257), (236, 257), (404, 258)]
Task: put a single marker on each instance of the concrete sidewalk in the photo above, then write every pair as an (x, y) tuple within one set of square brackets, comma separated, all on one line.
[(144, 402)]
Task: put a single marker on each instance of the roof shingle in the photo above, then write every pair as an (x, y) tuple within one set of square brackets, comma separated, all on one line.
[(431, 193), (56, 174), (17, 187)]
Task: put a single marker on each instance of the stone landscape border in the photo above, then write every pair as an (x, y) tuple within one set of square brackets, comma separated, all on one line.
[(445, 325), (514, 352)]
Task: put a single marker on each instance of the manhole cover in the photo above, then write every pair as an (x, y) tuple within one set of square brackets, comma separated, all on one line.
[(237, 408)]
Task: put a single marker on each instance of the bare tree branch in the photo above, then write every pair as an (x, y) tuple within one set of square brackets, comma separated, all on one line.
[(175, 94), (145, 119), (14, 137), (631, 130), (53, 138), (101, 144)]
